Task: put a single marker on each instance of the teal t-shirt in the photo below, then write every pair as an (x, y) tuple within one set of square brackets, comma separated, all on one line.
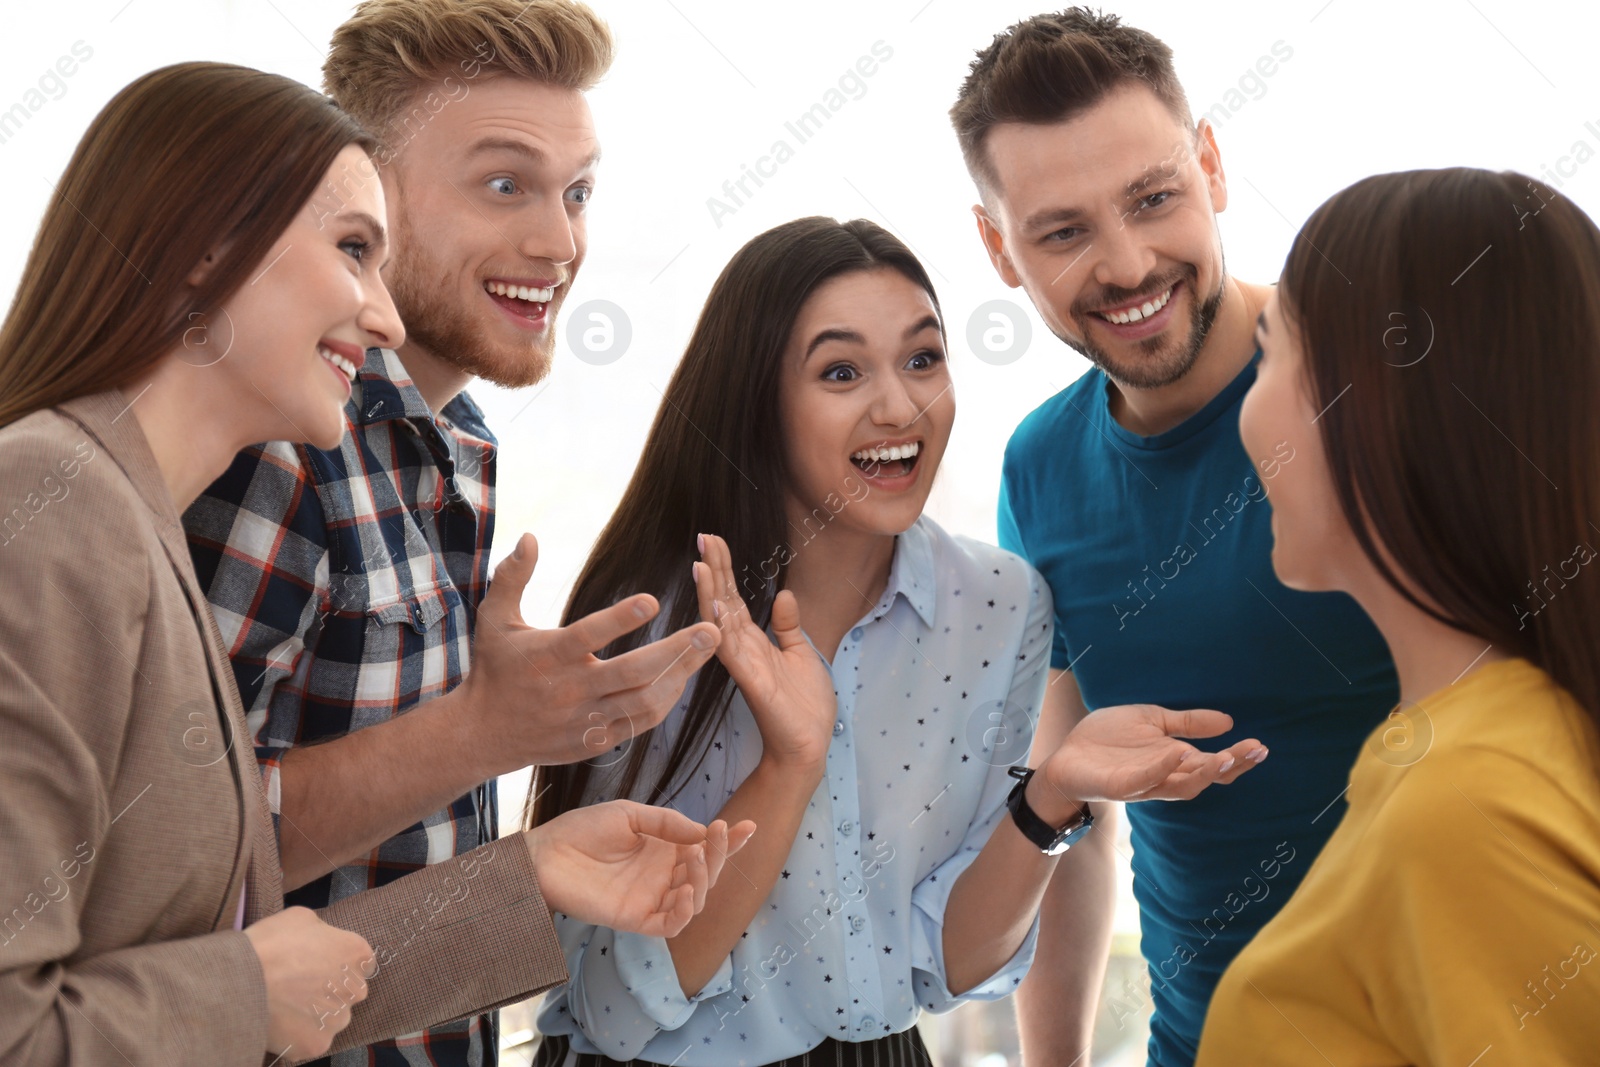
[(1159, 553)]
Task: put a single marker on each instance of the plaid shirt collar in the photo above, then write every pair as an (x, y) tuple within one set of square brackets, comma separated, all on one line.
[(383, 391)]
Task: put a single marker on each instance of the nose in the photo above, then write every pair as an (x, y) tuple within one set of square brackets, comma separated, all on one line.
[(379, 319), (548, 231), (893, 404), (1125, 259)]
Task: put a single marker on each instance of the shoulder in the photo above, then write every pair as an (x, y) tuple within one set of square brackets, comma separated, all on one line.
[(1044, 424), (974, 566), (72, 525)]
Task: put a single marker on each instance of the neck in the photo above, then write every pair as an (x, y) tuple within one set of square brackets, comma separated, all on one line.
[(1428, 655), (437, 380), (836, 577), (1228, 348), (192, 437)]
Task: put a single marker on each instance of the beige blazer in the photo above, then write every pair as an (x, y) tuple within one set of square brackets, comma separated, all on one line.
[(132, 815)]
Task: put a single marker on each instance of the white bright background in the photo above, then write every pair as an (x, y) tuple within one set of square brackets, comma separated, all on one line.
[(703, 87)]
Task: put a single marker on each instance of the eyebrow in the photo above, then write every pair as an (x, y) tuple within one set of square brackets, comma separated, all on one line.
[(852, 337), (1056, 216), (533, 155), (380, 236)]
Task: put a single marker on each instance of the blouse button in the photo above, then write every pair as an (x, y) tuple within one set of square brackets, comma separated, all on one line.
[(858, 924), (847, 828), (838, 727), (856, 633)]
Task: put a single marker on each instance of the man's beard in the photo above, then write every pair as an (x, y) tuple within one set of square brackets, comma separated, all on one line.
[(1160, 365), (425, 294)]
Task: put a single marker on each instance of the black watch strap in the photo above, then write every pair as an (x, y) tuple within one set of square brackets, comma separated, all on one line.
[(1051, 840)]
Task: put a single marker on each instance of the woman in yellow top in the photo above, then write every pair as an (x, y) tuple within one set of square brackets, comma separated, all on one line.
[(1433, 355)]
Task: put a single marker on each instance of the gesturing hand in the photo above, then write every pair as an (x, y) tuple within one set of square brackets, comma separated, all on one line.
[(544, 697), (787, 685), (631, 866), (1132, 752)]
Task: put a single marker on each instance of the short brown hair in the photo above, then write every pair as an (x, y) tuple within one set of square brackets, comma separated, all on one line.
[(390, 49), (1051, 67)]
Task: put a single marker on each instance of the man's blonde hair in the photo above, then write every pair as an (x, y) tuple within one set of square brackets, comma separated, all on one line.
[(389, 50)]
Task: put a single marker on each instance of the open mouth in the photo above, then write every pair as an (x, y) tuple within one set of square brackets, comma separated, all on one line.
[(888, 461), (529, 302), (344, 366), (1138, 311)]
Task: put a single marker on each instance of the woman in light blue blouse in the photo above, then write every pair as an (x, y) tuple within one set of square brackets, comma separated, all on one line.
[(785, 476)]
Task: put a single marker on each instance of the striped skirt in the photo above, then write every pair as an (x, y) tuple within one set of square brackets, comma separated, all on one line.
[(904, 1049)]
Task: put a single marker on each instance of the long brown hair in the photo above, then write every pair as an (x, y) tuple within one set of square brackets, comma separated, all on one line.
[(714, 461), (187, 160), (1458, 310)]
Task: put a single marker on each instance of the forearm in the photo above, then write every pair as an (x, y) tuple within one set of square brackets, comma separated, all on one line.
[(341, 799), (1056, 1002), (992, 906), (775, 798)]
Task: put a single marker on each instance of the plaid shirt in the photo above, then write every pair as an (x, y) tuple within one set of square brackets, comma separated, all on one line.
[(346, 583)]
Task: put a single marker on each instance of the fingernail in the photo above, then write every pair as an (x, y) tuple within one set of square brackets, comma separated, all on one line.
[(1225, 765), (516, 553), (699, 853), (1257, 756), (716, 609), (702, 640), (700, 542), (694, 571), (641, 610)]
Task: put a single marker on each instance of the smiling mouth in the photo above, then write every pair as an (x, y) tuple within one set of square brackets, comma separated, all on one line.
[(893, 461), (527, 301), (1139, 310)]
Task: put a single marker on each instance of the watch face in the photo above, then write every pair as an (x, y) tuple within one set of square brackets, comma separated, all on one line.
[(1069, 837)]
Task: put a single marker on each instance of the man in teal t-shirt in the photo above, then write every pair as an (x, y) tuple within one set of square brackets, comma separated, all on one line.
[(1131, 492)]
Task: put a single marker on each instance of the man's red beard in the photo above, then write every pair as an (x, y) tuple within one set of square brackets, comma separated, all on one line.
[(425, 296)]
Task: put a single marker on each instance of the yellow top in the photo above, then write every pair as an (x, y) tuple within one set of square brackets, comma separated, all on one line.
[(1454, 916)]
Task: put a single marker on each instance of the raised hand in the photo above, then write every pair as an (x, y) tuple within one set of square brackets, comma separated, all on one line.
[(1133, 752), (631, 866), (314, 973), (544, 697), (787, 685)]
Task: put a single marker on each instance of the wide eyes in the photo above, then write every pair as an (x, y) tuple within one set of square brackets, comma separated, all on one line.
[(921, 360)]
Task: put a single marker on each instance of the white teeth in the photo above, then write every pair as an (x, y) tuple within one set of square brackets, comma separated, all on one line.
[(521, 292), (344, 365), (1140, 313), (884, 455)]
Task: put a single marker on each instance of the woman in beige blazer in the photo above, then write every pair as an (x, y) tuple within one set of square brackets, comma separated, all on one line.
[(206, 277)]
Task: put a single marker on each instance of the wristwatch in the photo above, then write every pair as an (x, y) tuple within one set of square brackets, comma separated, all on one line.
[(1051, 841)]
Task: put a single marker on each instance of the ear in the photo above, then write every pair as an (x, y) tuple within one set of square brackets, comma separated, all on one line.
[(994, 243), (1210, 159), (208, 263)]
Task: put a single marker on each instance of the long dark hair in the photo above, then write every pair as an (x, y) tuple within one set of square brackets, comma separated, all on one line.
[(1459, 310), (183, 160), (715, 462)]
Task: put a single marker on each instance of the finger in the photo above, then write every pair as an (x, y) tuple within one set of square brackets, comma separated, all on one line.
[(502, 601), (1247, 755), (720, 558), (699, 875), (598, 629), (1196, 722), (676, 655), (716, 851), (786, 621), (739, 835), (704, 584), (668, 825), (677, 908)]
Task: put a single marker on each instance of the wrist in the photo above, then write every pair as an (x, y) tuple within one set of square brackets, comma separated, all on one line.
[(796, 774), (452, 735), (1050, 803)]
